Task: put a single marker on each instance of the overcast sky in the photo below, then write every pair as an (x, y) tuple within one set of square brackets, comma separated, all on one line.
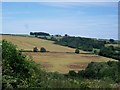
[(85, 19)]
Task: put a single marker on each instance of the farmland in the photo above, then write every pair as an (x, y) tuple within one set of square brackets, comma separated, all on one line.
[(63, 62), (114, 45), (59, 45), (27, 43), (57, 59)]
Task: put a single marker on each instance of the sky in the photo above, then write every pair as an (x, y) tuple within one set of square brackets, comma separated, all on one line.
[(84, 19)]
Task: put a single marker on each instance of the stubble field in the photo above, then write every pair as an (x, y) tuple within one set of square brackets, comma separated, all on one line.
[(57, 59)]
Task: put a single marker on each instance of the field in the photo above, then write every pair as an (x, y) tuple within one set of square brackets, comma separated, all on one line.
[(57, 59), (114, 45), (28, 43), (63, 62)]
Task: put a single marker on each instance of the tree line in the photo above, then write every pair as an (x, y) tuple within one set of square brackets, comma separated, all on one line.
[(88, 44), (39, 34), (111, 52), (85, 44)]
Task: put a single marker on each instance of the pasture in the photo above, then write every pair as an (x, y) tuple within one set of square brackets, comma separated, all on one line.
[(57, 59)]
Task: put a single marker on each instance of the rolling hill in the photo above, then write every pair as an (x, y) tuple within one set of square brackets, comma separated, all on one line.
[(28, 43), (57, 59)]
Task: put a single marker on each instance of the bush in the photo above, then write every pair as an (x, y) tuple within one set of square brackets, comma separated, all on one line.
[(72, 73), (77, 51), (110, 52), (81, 73), (17, 69), (42, 49), (99, 70), (35, 49)]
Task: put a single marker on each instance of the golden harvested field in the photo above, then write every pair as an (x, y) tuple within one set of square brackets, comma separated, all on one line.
[(27, 43), (57, 59), (63, 62)]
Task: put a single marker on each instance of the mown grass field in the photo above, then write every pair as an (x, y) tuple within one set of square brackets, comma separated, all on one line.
[(57, 59)]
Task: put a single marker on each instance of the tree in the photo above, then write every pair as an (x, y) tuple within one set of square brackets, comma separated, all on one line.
[(111, 40), (66, 35), (96, 51), (18, 71), (36, 35), (77, 51), (42, 49), (35, 49), (31, 33)]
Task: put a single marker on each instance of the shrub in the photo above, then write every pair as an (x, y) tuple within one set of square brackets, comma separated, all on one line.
[(81, 73), (99, 70), (17, 69), (35, 49), (42, 49), (77, 51), (96, 51), (72, 73)]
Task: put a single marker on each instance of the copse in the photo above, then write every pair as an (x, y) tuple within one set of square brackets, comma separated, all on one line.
[(83, 43), (110, 52), (39, 34), (100, 70)]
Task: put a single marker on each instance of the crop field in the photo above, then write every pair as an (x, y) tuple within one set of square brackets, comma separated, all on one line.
[(28, 43), (63, 62), (57, 59)]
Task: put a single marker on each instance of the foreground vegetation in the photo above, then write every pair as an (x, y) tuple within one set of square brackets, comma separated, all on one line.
[(20, 71)]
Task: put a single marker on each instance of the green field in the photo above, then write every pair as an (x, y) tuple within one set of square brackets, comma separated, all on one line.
[(57, 59), (114, 45)]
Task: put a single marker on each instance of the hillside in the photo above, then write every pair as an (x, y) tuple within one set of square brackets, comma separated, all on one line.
[(57, 59), (20, 72), (27, 43)]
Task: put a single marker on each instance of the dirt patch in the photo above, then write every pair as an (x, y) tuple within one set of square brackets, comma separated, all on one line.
[(91, 56), (77, 66), (46, 65)]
